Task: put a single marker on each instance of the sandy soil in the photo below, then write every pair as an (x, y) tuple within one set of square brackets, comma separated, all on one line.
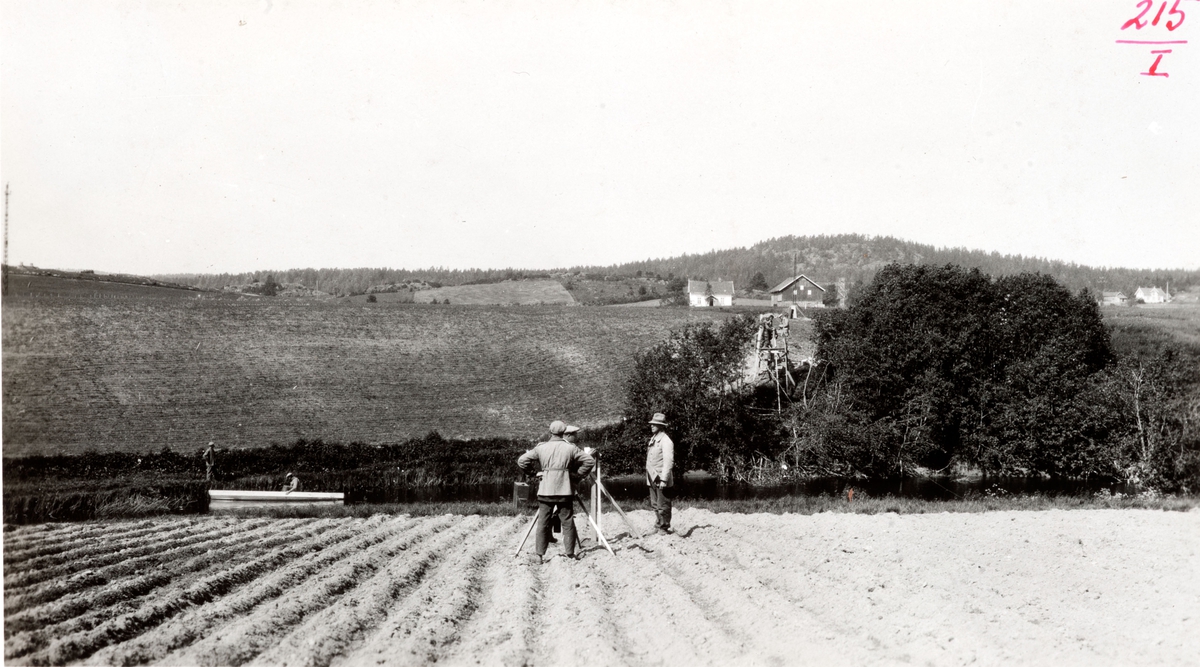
[(1097, 587)]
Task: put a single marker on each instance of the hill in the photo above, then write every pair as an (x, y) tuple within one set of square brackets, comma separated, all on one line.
[(32, 282), (84, 373), (857, 258), (853, 257)]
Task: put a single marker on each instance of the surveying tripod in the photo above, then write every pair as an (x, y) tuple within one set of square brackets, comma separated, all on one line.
[(592, 512)]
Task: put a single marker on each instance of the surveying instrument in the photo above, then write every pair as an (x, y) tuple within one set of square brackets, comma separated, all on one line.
[(592, 510)]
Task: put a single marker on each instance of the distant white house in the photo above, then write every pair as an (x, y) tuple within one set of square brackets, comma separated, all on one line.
[(801, 290), (1151, 295), (1113, 299), (710, 293)]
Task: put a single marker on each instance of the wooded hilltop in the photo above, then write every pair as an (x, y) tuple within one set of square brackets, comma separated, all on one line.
[(826, 258)]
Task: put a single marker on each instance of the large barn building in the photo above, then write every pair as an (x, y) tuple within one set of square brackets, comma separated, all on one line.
[(801, 290)]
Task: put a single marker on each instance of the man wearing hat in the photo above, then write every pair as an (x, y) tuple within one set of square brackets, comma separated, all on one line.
[(562, 465), (210, 460), (660, 458)]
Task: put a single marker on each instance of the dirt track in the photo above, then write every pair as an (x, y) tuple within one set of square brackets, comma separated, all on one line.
[(1115, 587)]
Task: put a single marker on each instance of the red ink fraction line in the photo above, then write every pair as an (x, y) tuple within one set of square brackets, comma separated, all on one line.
[(1151, 41)]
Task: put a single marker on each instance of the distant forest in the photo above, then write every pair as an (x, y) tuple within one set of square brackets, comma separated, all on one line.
[(853, 257)]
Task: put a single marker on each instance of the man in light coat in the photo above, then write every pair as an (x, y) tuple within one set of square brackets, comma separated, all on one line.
[(562, 465), (660, 459)]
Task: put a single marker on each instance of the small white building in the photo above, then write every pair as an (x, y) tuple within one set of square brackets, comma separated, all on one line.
[(1151, 295), (710, 293), (801, 290), (1113, 299)]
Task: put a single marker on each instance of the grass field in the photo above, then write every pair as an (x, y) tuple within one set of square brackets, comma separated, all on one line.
[(82, 372), (509, 293), (53, 287), (1181, 320), (1053, 588)]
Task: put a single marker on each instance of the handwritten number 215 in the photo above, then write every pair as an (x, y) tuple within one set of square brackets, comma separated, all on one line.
[(1146, 6)]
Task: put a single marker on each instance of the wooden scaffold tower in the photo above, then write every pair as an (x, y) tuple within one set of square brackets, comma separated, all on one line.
[(771, 341)]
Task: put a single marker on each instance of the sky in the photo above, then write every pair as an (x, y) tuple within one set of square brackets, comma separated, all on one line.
[(220, 136)]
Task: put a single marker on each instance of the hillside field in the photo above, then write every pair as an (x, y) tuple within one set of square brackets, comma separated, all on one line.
[(1021, 588), (30, 285), (1180, 320), (508, 293), (139, 375)]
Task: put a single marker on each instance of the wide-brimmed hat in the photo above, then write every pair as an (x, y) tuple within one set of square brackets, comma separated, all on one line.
[(288, 475), (557, 427), (659, 418), (571, 428)]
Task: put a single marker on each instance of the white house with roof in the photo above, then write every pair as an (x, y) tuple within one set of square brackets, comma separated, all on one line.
[(1151, 295), (710, 293), (801, 290)]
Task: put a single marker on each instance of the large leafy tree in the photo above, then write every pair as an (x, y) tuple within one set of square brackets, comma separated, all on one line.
[(695, 377), (939, 364)]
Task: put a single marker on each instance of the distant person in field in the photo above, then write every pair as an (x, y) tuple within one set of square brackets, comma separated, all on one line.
[(291, 483), (660, 458), (562, 465), (210, 461)]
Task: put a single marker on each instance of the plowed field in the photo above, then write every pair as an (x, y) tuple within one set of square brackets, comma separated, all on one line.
[(1115, 587), (88, 374)]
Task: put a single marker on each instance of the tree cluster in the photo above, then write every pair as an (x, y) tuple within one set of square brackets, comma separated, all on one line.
[(940, 368)]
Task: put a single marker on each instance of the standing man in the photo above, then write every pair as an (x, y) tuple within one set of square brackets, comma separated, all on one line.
[(660, 458), (210, 460), (562, 465)]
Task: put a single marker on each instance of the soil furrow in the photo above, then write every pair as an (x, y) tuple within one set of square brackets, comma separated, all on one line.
[(360, 614), (61, 565), (791, 565), (217, 580), (793, 632), (263, 627), (207, 564), (87, 571), (1055, 587), (97, 546), (824, 565), (572, 625), (181, 631), (657, 618), (67, 540), (123, 589), (497, 633)]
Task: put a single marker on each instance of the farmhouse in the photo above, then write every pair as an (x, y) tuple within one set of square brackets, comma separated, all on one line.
[(1151, 295), (801, 290), (707, 294), (1113, 299)]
